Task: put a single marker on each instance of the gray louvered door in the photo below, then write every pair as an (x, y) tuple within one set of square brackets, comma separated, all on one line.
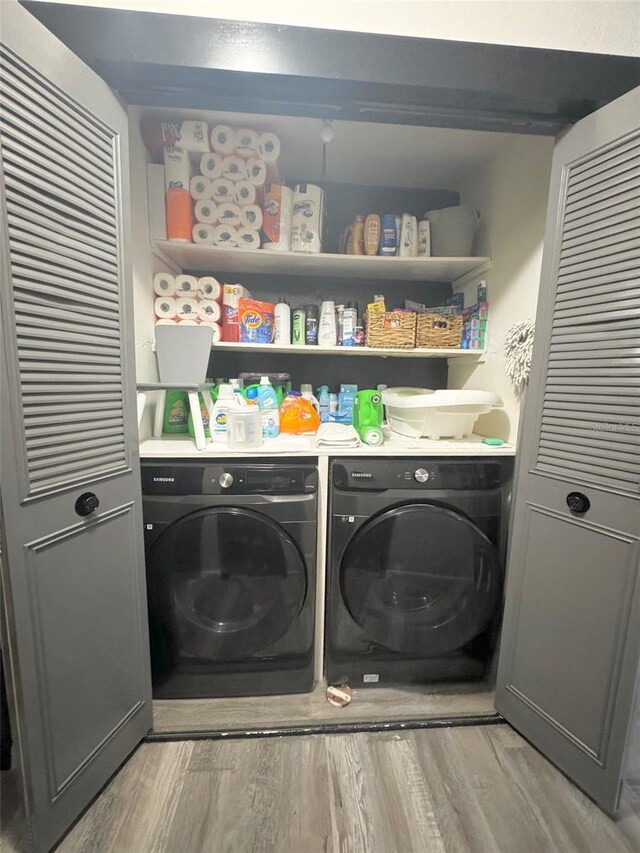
[(73, 583), (570, 648)]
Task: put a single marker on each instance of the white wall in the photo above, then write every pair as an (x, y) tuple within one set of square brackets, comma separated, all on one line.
[(512, 197), (607, 26)]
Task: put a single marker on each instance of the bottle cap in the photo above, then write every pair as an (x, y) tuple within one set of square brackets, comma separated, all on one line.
[(264, 380), (306, 388)]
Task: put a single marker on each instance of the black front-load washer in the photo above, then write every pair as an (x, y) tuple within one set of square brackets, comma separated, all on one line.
[(415, 577), (231, 568)]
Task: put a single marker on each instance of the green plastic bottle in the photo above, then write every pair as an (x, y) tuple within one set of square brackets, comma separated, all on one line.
[(176, 413)]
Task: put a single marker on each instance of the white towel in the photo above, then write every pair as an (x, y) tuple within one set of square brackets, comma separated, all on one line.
[(337, 435)]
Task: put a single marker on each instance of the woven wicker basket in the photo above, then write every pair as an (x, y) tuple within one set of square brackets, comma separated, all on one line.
[(439, 330), (391, 329)]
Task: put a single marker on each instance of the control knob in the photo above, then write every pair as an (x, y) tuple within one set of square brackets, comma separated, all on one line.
[(421, 475), (226, 480)]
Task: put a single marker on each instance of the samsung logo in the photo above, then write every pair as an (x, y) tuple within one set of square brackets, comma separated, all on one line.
[(361, 475), (164, 479)]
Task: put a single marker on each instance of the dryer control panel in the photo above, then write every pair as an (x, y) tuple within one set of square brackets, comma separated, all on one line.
[(232, 478), (424, 473)]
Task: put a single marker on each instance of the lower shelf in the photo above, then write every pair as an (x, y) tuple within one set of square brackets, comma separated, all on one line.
[(420, 352)]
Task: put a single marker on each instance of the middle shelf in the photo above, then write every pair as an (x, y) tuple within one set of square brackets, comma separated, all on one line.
[(295, 349)]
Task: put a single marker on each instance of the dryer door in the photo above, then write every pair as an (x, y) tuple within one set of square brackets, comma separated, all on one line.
[(224, 583), (420, 579)]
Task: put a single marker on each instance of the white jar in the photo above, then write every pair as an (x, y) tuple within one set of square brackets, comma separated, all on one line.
[(244, 428)]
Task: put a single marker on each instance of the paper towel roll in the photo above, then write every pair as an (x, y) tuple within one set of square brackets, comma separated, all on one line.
[(165, 307), (248, 238), (211, 165), (177, 169), (186, 285), (217, 331), (225, 236), (186, 308), (206, 211), (200, 187), (188, 322), (246, 142), (209, 311), (251, 216), (256, 171), (223, 139), (229, 214), (245, 192), (165, 322), (164, 284), (269, 145), (234, 168), (210, 288), (203, 233), (222, 190)]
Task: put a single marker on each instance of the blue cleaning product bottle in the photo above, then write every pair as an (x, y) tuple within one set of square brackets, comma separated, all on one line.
[(268, 403), (323, 400)]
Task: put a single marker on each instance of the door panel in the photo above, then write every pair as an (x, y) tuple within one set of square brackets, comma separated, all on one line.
[(571, 638), (73, 585)]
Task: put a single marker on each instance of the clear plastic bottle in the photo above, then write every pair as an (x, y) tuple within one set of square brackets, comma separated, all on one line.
[(268, 403), (323, 400)]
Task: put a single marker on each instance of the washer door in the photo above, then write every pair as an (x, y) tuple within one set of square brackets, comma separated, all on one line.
[(224, 583), (420, 579)]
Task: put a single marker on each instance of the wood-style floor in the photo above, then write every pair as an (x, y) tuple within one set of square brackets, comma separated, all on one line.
[(461, 790), (376, 704)]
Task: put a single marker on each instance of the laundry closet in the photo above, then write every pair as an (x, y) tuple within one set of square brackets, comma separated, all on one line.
[(82, 373)]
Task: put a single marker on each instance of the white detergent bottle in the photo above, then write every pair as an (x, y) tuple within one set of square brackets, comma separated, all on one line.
[(307, 393), (226, 400), (268, 403)]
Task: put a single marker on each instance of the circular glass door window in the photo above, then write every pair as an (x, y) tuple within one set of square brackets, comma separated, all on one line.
[(224, 583), (420, 579)]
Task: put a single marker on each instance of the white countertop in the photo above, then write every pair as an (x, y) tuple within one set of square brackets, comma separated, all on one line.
[(182, 447)]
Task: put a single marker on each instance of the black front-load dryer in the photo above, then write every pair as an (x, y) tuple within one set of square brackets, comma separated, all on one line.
[(231, 568), (415, 577)]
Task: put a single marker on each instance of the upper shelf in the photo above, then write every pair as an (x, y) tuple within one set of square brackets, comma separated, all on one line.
[(197, 257)]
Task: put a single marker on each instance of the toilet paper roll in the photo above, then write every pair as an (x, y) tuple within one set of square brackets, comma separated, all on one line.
[(217, 331), (269, 145), (209, 311), (248, 238), (186, 285), (246, 142), (165, 307), (165, 322), (211, 165), (223, 139), (164, 284), (222, 190), (225, 236), (210, 288), (234, 168), (245, 193), (256, 171), (203, 233), (206, 211), (186, 308), (229, 214), (188, 322), (251, 216), (200, 187)]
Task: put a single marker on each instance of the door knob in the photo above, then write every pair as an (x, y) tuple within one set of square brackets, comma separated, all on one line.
[(87, 503), (578, 503)]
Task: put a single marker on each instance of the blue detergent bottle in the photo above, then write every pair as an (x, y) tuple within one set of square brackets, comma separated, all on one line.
[(323, 400), (268, 403)]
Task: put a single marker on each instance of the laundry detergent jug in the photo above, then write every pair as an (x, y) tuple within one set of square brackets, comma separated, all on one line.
[(367, 417)]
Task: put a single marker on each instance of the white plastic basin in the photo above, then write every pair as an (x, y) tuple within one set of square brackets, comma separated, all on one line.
[(425, 413)]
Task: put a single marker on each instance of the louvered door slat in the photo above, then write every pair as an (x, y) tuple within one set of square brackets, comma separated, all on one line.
[(590, 420), (62, 216)]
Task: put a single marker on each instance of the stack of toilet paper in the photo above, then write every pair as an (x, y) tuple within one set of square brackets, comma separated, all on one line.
[(228, 192), (189, 300)]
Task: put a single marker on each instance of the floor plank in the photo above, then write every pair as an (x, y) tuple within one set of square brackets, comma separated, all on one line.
[(461, 790), (373, 704)]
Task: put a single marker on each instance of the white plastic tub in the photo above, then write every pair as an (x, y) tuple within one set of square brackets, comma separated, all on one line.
[(422, 412)]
